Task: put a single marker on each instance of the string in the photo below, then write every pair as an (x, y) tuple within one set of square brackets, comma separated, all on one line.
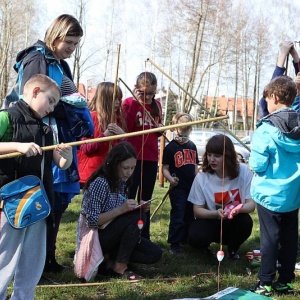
[(221, 220)]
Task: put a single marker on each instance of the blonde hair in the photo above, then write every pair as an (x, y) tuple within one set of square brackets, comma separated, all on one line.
[(182, 118), (102, 104), (62, 26), (42, 81)]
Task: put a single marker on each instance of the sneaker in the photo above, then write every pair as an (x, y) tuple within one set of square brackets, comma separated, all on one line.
[(283, 288), (176, 249), (297, 266), (233, 255), (262, 289)]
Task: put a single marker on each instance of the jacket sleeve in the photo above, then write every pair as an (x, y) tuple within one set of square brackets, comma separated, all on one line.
[(34, 63)]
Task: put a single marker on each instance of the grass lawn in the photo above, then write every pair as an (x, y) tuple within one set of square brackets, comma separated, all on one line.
[(186, 276)]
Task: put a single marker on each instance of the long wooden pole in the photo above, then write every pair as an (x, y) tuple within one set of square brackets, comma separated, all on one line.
[(200, 104), (112, 117), (122, 136)]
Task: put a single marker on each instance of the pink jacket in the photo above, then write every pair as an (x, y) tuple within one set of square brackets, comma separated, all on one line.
[(88, 254)]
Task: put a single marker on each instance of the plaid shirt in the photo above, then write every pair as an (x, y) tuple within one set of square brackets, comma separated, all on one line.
[(98, 199)]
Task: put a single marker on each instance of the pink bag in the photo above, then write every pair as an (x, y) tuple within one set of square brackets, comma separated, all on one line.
[(88, 254)]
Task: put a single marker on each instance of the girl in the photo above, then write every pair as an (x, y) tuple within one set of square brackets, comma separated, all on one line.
[(91, 156), (138, 119), (223, 180), (106, 206)]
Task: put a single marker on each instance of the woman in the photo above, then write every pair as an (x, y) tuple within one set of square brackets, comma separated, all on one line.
[(106, 206), (140, 118), (222, 181), (71, 119), (91, 156)]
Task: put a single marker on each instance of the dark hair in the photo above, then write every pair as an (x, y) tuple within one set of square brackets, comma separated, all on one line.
[(216, 145), (109, 168), (149, 79), (283, 87)]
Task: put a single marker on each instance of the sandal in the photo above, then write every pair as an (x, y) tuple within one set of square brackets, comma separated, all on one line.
[(128, 274), (131, 275)]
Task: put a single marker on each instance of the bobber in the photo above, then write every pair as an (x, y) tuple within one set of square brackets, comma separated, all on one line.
[(140, 224), (220, 255)]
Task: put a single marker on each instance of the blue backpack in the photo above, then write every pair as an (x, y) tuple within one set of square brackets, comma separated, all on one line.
[(54, 71)]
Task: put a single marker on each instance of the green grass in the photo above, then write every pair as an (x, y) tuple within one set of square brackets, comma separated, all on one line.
[(191, 275)]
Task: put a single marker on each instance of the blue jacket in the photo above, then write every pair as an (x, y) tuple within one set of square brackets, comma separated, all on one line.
[(275, 159), (277, 73)]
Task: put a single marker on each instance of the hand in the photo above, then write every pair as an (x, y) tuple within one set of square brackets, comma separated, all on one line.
[(285, 47), (64, 151), (136, 93), (29, 149), (221, 214), (114, 129), (174, 181), (128, 205)]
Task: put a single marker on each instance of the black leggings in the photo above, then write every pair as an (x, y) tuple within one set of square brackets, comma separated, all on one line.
[(236, 231), (121, 240)]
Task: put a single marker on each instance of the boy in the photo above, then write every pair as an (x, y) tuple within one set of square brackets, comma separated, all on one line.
[(276, 186), (23, 251), (180, 161)]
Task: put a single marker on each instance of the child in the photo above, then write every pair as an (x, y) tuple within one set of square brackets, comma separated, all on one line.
[(276, 186), (23, 251), (222, 181), (91, 156), (180, 161), (146, 146), (106, 206)]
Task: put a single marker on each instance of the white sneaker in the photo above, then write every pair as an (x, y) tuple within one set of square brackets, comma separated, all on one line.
[(297, 266)]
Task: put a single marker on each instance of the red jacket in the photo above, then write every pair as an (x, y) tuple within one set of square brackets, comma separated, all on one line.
[(145, 145), (91, 156)]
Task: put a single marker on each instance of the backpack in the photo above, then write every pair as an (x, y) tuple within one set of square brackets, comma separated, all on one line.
[(54, 71)]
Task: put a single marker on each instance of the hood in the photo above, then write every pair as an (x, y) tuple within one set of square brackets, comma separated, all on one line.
[(38, 45), (284, 129)]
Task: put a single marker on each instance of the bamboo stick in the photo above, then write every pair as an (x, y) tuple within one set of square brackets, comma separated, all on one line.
[(121, 136), (112, 117), (200, 104)]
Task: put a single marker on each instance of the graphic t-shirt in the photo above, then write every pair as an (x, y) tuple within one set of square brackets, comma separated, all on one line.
[(213, 191)]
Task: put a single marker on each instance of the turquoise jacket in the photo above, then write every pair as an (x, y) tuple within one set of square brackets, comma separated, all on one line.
[(275, 159)]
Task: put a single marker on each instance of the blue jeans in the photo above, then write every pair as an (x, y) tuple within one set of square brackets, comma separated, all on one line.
[(181, 216)]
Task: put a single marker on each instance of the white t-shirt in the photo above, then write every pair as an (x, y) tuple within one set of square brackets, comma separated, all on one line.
[(207, 189)]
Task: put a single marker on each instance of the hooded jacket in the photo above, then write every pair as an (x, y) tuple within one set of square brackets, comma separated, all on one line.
[(275, 158)]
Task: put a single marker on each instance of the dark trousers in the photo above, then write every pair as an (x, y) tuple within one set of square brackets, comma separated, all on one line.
[(181, 216), (235, 232), (142, 186), (278, 241), (52, 229), (121, 240)]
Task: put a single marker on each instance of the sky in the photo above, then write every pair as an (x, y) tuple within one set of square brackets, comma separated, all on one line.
[(133, 51)]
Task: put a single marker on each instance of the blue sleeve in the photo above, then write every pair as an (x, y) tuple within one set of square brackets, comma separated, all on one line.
[(259, 157)]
